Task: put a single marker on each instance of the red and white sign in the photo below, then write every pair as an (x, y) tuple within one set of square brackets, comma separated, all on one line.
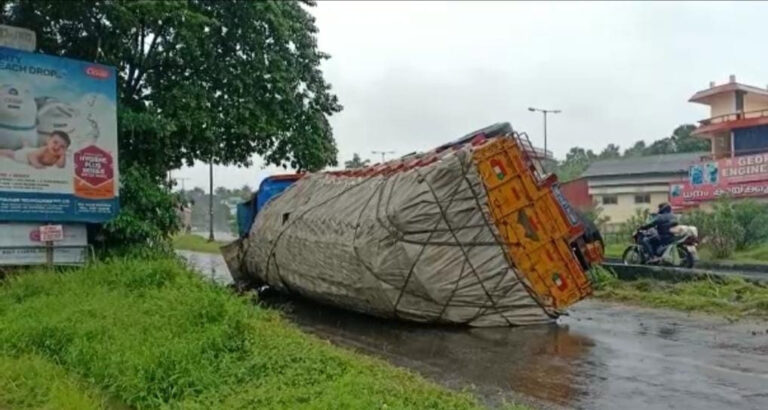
[(51, 233), (743, 169), (738, 177), (97, 72)]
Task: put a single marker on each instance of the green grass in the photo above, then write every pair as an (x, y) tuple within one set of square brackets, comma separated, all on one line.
[(196, 243), (757, 254), (31, 382), (733, 297), (151, 334), (615, 250)]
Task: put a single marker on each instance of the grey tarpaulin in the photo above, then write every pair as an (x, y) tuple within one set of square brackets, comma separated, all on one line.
[(416, 245)]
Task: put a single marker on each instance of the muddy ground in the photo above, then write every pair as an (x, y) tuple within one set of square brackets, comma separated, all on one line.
[(601, 356)]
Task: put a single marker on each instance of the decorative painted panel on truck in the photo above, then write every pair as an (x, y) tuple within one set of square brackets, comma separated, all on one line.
[(536, 229)]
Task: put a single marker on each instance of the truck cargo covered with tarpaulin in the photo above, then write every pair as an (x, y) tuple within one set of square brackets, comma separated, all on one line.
[(469, 233)]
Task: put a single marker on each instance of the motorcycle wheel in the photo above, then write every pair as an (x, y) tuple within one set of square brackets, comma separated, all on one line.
[(686, 257), (633, 256)]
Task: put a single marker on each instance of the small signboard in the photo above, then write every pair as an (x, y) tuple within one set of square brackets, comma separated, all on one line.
[(17, 37), (22, 244), (51, 233)]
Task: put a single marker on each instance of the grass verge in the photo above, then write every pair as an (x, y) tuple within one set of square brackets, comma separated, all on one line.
[(756, 255), (197, 243), (732, 297), (151, 334), (31, 382), (615, 250)]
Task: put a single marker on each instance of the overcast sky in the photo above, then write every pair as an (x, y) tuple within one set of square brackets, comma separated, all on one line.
[(414, 75)]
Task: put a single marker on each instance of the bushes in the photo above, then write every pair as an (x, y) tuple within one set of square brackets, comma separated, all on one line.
[(730, 226), (147, 215), (752, 216), (640, 217)]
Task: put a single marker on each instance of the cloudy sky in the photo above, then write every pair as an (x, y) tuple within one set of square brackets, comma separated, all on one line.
[(414, 75)]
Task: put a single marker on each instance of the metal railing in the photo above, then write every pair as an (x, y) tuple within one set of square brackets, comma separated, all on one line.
[(739, 115)]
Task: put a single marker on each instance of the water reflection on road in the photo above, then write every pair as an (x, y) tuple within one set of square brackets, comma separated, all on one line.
[(602, 356)]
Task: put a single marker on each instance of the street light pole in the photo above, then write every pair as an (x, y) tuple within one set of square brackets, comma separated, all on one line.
[(383, 153), (210, 201), (545, 112)]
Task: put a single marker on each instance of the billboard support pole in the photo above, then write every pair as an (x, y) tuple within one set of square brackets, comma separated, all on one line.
[(49, 254)]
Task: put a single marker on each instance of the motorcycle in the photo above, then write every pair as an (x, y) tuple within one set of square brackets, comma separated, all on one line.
[(681, 252)]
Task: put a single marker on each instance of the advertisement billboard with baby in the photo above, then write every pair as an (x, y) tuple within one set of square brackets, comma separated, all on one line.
[(58, 139)]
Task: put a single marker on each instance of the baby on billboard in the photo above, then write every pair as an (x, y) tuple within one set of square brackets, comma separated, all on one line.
[(38, 132), (52, 153)]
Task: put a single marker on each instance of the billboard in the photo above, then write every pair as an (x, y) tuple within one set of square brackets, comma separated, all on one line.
[(737, 177), (58, 139)]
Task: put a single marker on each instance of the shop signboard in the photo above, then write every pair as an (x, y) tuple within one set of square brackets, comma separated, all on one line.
[(737, 177)]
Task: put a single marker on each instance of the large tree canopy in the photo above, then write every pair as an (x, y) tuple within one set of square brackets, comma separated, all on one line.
[(207, 80)]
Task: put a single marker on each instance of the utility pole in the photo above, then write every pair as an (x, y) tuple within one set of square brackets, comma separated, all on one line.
[(183, 188), (383, 154), (545, 112), (210, 200)]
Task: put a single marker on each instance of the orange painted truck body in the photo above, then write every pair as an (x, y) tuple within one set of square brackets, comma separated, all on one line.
[(540, 238)]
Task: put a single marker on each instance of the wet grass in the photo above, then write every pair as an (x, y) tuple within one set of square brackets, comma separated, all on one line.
[(151, 334), (197, 243), (732, 297), (31, 382), (615, 250), (757, 254)]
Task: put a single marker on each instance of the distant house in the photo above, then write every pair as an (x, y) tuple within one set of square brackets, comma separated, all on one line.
[(738, 119), (620, 186)]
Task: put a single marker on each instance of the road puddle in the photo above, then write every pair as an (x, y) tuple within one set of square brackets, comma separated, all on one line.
[(602, 356)]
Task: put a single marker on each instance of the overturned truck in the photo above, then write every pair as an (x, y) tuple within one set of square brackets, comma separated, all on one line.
[(472, 232)]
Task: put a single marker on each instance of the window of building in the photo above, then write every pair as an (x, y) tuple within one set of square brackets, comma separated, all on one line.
[(643, 199), (610, 200)]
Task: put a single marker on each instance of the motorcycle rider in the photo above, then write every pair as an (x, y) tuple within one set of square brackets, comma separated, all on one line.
[(662, 222)]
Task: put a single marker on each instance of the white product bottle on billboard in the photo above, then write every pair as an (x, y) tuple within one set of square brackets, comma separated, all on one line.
[(17, 117)]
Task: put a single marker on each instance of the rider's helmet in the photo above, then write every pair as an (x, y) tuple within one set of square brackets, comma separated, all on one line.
[(665, 208)]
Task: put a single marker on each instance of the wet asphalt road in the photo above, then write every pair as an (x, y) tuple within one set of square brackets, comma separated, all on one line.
[(602, 356)]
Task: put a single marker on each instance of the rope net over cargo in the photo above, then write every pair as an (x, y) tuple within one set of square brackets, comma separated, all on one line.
[(464, 234)]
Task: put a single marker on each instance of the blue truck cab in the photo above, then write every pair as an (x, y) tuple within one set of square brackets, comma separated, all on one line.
[(269, 188)]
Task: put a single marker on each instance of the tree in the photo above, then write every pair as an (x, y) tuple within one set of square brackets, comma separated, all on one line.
[(577, 160), (217, 81), (245, 192), (636, 150), (200, 80), (356, 162), (661, 147), (685, 142), (680, 141), (611, 151)]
